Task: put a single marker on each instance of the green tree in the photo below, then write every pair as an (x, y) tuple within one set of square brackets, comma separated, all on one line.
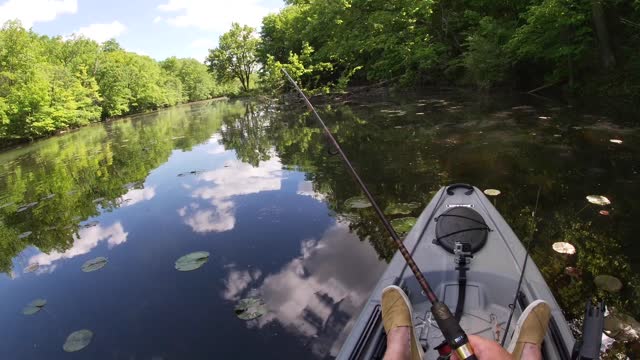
[(236, 55), (197, 82)]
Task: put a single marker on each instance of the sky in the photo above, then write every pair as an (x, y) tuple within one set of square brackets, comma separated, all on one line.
[(157, 28)]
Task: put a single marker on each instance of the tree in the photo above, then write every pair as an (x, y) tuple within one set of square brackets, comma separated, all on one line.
[(236, 55), (197, 82)]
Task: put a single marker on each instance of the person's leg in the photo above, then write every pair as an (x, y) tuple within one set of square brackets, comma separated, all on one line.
[(402, 343), (530, 331), (531, 352), (398, 344)]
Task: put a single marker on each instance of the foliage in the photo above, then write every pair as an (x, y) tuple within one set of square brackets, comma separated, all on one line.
[(86, 165), (587, 44), (235, 57), (49, 84)]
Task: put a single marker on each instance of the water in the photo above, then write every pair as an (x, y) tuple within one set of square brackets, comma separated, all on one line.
[(254, 185)]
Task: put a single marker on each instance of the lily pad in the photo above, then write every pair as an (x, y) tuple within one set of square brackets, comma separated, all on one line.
[(403, 225), (192, 261), (90, 224), (27, 206), (598, 200), (492, 192), (24, 235), (77, 340), (357, 202), (402, 208), (608, 283), (34, 306), (616, 141), (621, 327), (250, 308), (564, 248), (31, 268), (94, 264)]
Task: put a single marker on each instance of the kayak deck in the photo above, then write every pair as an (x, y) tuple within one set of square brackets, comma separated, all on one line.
[(492, 279)]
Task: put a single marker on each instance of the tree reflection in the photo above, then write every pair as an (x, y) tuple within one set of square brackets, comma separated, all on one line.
[(410, 161), (64, 175)]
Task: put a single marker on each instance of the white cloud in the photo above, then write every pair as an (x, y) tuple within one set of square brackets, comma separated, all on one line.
[(102, 32), (33, 11), (305, 188), (321, 290), (214, 16), (219, 219), (219, 188), (135, 196), (157, 19), (83, 243)]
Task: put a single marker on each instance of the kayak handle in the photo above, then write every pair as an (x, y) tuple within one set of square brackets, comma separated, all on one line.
[(460, 185)]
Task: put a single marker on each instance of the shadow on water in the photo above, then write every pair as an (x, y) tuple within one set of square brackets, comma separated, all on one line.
[(255, 186)]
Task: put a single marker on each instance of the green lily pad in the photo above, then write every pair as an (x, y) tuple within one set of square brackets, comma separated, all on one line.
[(34, 306), (94, 264), (31, 268), (492, 192), (357, 202), (351, 217), (621, 327), (403, 225), (598, 200), (27, 206), (250, 308), (401, 209), (90, 224), (77, 340), (564, 248), (608, 283), (192, 261)]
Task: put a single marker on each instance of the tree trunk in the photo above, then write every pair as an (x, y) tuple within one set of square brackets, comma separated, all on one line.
[(604, 40)]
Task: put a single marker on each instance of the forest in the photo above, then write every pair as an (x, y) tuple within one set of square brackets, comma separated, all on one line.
[(577, 49), (50, 84), (581, 48)]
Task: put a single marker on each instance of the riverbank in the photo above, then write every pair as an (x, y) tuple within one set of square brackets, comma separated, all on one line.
[(9, 144)]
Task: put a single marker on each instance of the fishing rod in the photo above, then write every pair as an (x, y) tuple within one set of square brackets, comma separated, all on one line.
[(524, 268), (451, 330)]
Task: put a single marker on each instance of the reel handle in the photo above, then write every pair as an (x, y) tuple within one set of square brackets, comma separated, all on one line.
[(453, 333)]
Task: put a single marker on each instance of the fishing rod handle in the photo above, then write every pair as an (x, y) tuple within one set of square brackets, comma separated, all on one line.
[(452, 332)]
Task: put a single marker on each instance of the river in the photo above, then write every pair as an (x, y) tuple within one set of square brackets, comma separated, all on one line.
[(254, 185)]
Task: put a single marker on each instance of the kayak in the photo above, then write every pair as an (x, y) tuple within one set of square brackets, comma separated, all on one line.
[(473, 261)]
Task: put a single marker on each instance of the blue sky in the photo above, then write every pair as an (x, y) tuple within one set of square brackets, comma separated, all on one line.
[(158, 28)]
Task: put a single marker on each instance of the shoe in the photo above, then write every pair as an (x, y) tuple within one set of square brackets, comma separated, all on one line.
[(397, 312), (531, 327)]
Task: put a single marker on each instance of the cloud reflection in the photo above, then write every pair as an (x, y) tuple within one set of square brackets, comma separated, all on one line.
[(318, 294), (305, 188), (135, 196), (85, 241), (219, 186)]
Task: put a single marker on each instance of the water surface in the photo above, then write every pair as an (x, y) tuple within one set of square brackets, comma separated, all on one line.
[(256, 187)]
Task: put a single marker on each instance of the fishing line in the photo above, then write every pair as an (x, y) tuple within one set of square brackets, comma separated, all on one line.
[(524, 267)]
